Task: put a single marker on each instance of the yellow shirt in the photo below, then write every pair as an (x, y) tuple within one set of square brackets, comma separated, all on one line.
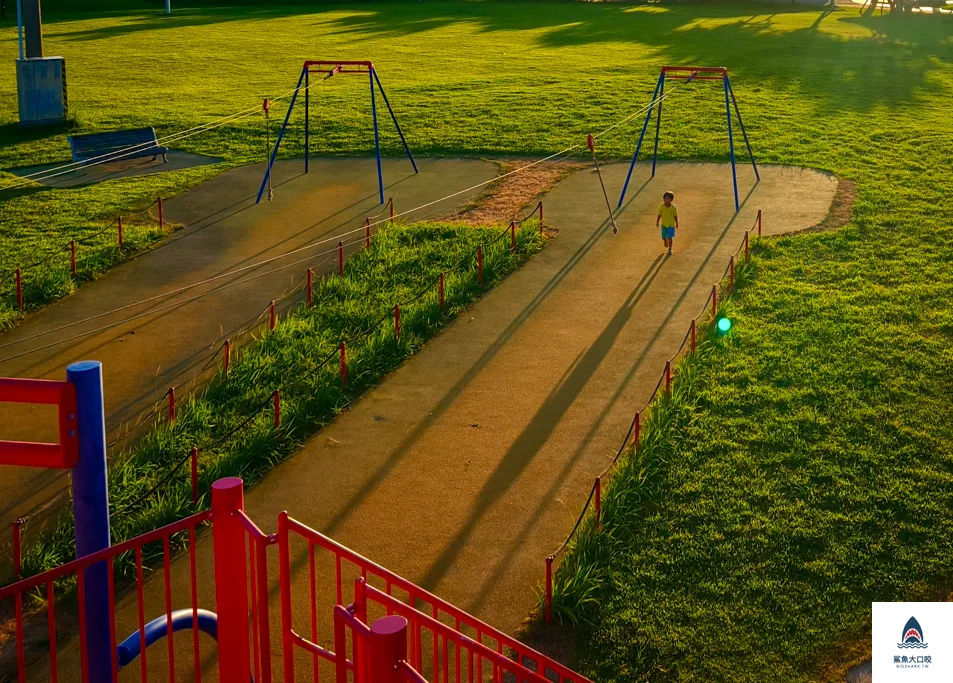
[(668, 214)]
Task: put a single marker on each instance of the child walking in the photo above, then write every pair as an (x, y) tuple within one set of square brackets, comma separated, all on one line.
[(667, 219)]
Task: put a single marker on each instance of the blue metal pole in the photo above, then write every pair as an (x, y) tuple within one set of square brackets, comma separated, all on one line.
[(307, 111), (168, 6), (377, 138), (731, 146), (658, 125), (397, 125), (281, 134), (743, 131), (638, 147), (91, 510), (20, 26)]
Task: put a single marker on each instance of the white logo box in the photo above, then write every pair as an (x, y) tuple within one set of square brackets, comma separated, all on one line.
[(903, 653)]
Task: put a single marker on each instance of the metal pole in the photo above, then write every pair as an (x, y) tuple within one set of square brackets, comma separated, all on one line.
[(91, 511), (267, 108), (168, 6), (281, 134), (638, 147), (396, 125), (658, 125), (743, 131), (731, 146), (377, 138), (388, 646), (307, 112), (20, 26), (231, 579)]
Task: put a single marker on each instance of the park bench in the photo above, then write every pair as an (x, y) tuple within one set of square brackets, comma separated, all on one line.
[(115, 145)]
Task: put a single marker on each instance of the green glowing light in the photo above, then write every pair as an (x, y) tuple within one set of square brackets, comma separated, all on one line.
[(724, 324)]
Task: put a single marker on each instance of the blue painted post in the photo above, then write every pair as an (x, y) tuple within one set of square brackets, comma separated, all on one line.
[(743, 131), (638, 147), (91, 510), (377, 137), (168, 6), (396, 125), (20, 26), (281, 134), (658, 124), (307, 111), (731, 146)]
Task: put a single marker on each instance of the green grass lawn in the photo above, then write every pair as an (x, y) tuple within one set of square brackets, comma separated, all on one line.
[(808, 467)]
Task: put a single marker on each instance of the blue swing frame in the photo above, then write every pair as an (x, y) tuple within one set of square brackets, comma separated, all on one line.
[(337, 67), (691, 73)]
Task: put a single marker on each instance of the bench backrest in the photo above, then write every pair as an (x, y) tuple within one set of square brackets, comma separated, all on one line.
[(99, 144)]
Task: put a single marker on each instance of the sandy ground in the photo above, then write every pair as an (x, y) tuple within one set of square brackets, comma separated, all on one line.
[(468, 465)]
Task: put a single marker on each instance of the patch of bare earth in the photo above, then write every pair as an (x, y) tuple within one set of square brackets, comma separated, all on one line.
[(842, 209)]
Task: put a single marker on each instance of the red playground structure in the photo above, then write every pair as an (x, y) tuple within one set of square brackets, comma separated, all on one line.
[(338, 613)]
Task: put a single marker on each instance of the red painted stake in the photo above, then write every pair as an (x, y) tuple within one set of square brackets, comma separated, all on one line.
[(228, 355), (637, 429), (310, 292), (159, 203), (367, 232), (72, 257), (442, 291), (171, 404), (276, 401), (18, 603), (693, 335), (19, 278), (747, 247), (341, 258), (598, 497), (17, 554), (272, 316), (549, 589), (540, 216), (120, 233), (668, 377), (391, 217), (480, 264), (396, 321), (195, 475), (231, 578), (759, 222), (343, 365), (513, 236), (731, 274), (714, 300)]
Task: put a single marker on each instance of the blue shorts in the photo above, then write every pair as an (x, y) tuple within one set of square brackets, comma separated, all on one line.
[(668, 233)]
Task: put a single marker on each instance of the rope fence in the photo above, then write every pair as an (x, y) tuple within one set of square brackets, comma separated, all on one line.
[(633, 435)]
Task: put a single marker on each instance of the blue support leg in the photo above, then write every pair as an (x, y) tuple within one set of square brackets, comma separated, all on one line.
[(744, 132), (377, 138), (731, 146), (91, 511), (396, 125), (658, 125), (281, 134), (307, 112), (638, 147)]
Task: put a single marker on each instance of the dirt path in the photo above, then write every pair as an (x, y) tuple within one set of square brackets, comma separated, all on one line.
[(142, 359)]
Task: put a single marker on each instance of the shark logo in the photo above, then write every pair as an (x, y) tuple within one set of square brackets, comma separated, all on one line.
[(912, 635)]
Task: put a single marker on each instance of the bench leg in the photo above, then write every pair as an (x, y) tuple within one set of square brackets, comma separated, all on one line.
[(165, 159)]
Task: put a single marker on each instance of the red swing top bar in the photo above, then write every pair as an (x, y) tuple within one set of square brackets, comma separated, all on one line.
[(62, 455), (339, 66), (696, 73)]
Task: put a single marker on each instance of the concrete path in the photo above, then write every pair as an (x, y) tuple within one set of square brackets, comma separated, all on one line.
[(225, 231)]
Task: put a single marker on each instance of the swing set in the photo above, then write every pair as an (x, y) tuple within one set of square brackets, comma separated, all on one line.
[(688, 74), (331, 68)]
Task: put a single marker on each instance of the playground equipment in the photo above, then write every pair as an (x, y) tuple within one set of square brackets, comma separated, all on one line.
[(384, 628), (304, 80), (688, 74)]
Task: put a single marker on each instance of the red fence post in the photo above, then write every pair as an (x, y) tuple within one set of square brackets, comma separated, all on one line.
[(272, 317), (18, 602), (171, 404), (747, 247), (480, 264), (549, 589), (228, 356), (693, 335), (391, 217), (598, 497), (668, 377), (367, 232), (540, 216), (18, 276), (276, 401), (442, 291), (195, 475), (387, 646), (310, 278), (397, 322), (513, 236), (637, 429), (120, 233), (17, 553), (231, 579), (759, 222), (714, 300), (343, 365), (161, 221), (72, 257), (731, 274), (341, 258)]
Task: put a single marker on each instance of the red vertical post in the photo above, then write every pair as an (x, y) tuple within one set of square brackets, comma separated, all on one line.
[(549, 589), (276, 401), (231, 579), (714, 300), (759, 222), (17, 554), (693, 335), (396, 321), (310, 278), (747, 247), (442, 291), (343, 365), (391, 216), (161, 220), (637, 430), (387, 645), (668, 377), (120, 233), (195, 475), (480, 264), (171, 404), (341, 258), (731, 274), (19, 280), (272, 316), (72, 257), (540, 216), (513, 236), (228, 356), (367, 232), (18, 602), (598, 497)]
